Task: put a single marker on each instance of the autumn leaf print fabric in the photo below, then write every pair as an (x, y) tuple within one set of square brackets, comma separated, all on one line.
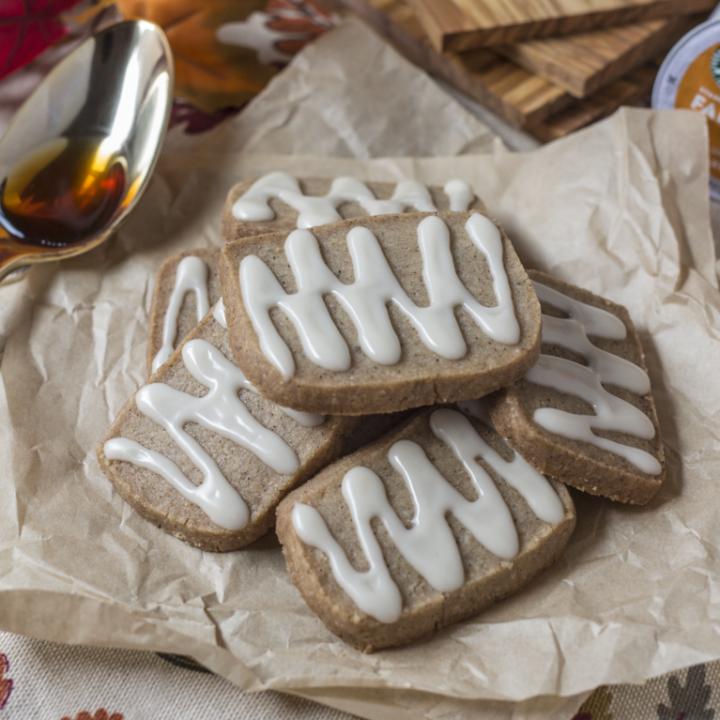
[(226, 51), (28, 28)]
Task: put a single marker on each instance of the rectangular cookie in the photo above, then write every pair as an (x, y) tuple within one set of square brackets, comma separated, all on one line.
[(187, 286), (203, 456), (277, 201), (585, 414), (379, 314), (425, 527), (185, 289)]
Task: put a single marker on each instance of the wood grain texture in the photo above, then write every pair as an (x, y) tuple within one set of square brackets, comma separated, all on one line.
[(463, 24), (510, 91), (625, 91), (523, 99), (582, 64)]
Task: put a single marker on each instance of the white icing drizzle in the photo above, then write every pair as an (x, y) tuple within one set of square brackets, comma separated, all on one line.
[(366, 299), (220, 411), (595, 321), (192, 276), (614, 370), (225, 508), (219, 314), (460, 194), (572, 333), (305, 419), (254, 204), (537, 492), (586, 382), (429, 545), (611, 413)]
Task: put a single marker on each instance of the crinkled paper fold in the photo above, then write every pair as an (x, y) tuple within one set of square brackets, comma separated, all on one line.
[(620, 209)]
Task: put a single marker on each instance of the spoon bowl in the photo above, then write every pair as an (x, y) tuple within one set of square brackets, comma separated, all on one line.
[(78, 154)]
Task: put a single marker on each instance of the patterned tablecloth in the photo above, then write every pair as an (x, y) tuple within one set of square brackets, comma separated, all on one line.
[(45, 681)]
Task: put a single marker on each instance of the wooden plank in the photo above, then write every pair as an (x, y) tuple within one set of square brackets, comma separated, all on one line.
[(582, 64), (463, 24), (523, 99), (636, 85), (512, 92)]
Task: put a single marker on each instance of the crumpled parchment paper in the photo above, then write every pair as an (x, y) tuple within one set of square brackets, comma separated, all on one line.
[(620, 208)]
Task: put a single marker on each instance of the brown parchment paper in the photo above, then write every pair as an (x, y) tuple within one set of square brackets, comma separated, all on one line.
[(635, 594), (620, 208), (350, 94)]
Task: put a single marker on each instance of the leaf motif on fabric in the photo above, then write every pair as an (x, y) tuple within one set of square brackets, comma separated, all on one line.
[(27, 29), (688, 702), (6, 684), (597, 706), (196, 121), (101, 714), (280, 31), (226, 51)]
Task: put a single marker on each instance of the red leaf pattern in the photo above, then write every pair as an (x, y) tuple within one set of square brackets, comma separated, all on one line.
[(101, 714), (27, 28), (298, 17), (6, 684)]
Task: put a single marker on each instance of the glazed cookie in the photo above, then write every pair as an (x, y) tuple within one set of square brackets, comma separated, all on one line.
[(585, 414), (425, 527), (187, 286), (278, 201), (380, 314), (203, 456)]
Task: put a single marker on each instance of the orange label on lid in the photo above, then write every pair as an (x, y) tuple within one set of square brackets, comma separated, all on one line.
[(699, 90)]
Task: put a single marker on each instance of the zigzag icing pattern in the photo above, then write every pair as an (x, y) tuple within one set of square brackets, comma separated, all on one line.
[(220, 411), (191, 276), (254, 205), (429, 545), (366, 299), (586, 382), (305, 419)]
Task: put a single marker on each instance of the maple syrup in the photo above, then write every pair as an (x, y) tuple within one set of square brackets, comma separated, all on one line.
[(63, 192)]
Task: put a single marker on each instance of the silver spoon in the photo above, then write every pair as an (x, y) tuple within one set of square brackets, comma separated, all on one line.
[(78, 154)]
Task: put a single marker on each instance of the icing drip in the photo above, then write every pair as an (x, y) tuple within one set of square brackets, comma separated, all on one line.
[(305, 419), (254, 205), (613, 370), (366, 299), (192, 276), (219, 314), (460, 194), (220, 411), (518, 473), (224, 507), (611, 413), (595, 321), (586, 382), (428, 545)]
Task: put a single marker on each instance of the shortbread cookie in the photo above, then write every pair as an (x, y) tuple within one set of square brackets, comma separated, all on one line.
[(187, 286), (380, 314), (203, 456), (425, 527), (584, 414), (180, 299), (278, 201)]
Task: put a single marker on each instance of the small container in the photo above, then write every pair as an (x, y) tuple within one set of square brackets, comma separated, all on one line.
[(689, 78)]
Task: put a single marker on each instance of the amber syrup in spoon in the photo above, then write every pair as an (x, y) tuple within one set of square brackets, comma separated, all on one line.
[(62, 192)]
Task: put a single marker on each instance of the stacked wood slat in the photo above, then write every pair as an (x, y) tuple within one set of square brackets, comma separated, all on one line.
[(548, 87)]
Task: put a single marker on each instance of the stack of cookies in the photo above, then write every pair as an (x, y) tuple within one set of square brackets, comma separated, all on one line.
[(338, 308)]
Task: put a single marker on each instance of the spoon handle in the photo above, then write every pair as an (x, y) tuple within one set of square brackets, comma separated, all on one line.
[(16, 258)]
